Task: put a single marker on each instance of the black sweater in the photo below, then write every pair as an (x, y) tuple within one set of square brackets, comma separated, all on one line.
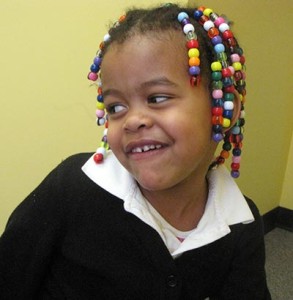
[(70, 239)]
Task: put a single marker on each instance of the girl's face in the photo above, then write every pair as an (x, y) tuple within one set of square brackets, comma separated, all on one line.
[(159, 125)]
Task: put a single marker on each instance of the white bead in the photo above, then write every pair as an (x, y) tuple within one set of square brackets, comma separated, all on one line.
[(187, 28), (208, 25), (242, 114), (228, 105), (106, 131), (223, 27), (106, 37), (101, 150)]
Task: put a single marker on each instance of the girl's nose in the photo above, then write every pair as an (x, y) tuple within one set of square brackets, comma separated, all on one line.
[(136, 121)]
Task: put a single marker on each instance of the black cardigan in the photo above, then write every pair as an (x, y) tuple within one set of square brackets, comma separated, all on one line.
[(70, 239)]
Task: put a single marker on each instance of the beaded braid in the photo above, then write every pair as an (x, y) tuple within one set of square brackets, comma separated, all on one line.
[(227, 76)]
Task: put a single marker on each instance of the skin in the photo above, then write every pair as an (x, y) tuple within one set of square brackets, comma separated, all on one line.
[(150, 101)]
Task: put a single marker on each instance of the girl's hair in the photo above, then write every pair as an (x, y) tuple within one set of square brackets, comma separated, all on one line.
[(158, 21), (213, 53)]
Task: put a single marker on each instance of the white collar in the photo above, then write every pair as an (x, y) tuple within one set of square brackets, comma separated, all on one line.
[(225, 205)]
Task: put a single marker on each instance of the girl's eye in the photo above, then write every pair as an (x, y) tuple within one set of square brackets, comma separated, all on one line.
[(115, 108), (158, 99)]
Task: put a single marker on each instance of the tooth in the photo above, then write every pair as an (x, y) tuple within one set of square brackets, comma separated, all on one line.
[(152, 147), (158, 146), (135, 150), (146, 148)]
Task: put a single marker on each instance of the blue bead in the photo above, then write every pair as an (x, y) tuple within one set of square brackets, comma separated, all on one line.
[(181, 16), (235, 130), (228, 114), (94, 68), (227, 81), (236, 152), (197, 14), (219, 48), (217, 128), (218, 102), (100, 98)]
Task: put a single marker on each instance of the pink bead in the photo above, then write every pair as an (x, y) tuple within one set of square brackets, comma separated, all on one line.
[(231, 69), (92, 76), (100, 113), (235, 58), (236, 159), (217, 94), (219, 21)]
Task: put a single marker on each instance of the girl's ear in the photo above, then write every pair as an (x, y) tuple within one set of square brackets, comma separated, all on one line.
[(236, 110)]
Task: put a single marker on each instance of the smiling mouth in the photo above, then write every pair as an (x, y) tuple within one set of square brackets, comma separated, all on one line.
[(146, 148)]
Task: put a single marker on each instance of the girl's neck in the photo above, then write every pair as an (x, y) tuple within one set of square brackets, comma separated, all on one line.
[(181, 206)]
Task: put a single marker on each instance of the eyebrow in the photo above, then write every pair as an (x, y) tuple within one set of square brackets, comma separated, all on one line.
[(160, 81)]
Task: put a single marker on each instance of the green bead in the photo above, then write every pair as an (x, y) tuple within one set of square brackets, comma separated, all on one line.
[(216, 76), (229, 97), (217, 85)]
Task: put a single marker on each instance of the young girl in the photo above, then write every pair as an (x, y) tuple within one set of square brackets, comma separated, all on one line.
[(157, 216)]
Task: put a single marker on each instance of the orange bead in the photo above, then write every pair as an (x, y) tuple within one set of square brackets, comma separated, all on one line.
[(225, 154), (194, 61), (217, 120)]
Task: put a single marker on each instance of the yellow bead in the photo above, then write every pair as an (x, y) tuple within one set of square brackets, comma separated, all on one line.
[(207, 12), (237, 66), (216, 66), (100, 105), (226, 122), (193, 52)]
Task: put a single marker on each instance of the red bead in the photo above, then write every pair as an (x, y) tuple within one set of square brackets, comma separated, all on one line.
[(203, 19), (98, 158), (242, 59), (235, 166), (192, 44), (229, 89), (217, 111), (195, 80), (232, 42), (227, 34), (226, 72)]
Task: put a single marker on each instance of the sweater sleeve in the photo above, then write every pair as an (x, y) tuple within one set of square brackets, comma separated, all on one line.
[(247, 278), (31, 236)]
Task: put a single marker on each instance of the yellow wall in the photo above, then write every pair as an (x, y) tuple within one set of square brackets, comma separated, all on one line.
[(287, 193), (47, 107)]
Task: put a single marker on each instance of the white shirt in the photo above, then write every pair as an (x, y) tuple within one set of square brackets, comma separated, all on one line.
[(225, 204)]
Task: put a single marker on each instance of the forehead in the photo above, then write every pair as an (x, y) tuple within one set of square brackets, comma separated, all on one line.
[(151, 52)]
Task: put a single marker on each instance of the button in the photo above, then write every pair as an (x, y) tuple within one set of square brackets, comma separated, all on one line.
[(172, 281)]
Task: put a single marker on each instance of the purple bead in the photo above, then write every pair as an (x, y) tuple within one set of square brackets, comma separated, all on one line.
[(216, 40), (217, 137), (235, 174), (97, 60), (185, 22), (194, 70)]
